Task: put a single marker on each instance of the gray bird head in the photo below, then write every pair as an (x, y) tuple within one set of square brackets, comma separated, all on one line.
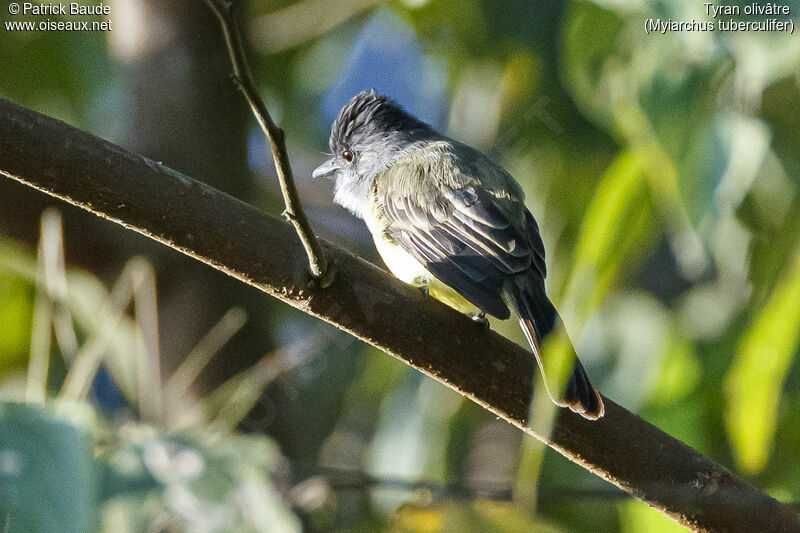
[(369, 133)]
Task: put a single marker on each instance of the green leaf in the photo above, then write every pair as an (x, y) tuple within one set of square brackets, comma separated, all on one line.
[(48, 480), (16, 299), (221, 483), (780, 109), (118, 482), (753, 385), (681, 115), (615, 195), (616, 227), (635, 516), (467, 517), (591, 42)]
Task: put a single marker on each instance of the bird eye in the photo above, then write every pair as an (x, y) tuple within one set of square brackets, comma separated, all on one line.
[(348, 156)]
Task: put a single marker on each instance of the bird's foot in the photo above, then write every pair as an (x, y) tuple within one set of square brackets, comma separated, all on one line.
[(481, 319), (423, 289)]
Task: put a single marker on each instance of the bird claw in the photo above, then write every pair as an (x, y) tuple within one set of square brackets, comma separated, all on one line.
[(424, 291), (481, 319)]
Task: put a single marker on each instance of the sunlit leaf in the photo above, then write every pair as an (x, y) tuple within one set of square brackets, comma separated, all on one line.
[(467, 517), (613, 232), (680, 372), (15, 316), (636, 517), (754, 383)]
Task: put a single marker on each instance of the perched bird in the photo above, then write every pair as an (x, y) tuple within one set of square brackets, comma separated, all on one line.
[(446, 218)]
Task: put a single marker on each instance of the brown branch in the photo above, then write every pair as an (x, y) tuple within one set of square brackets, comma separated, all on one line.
[(490, 370), (317, 264)]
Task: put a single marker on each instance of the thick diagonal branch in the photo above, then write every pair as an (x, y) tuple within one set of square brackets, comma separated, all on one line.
[(294, 212), (239, 240)]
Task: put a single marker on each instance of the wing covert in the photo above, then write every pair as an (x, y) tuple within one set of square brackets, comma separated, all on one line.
[(469, 238)]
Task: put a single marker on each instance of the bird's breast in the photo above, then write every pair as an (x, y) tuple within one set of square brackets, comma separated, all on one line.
[(402, 264), (408, 270)]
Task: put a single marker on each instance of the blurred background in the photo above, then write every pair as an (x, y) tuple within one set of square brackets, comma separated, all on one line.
[(160, 395)]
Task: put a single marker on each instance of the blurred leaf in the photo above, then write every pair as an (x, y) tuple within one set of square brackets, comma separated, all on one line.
[(780, 108), (616, 193), (636, 517), (680, 372), (615, 228), (692, 420), (681, 115), (410, 518), (467, 34), (590, 47), (467, 517), (57, 76), (461, 426), (212, 483), (16, 298), (410, 437), (754, 383), (48, 481), (772, 249), (116, 483), (504, 518), (776, 229)]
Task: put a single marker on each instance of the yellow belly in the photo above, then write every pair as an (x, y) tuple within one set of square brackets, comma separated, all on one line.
[(411, 271)]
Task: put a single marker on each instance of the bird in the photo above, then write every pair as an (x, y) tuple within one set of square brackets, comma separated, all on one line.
[(446, 218)]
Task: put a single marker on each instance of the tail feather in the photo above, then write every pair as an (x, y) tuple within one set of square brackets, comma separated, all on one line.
[(581, 396), (539, 319)]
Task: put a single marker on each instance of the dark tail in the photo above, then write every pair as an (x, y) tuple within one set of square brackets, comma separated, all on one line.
[(569, 387)]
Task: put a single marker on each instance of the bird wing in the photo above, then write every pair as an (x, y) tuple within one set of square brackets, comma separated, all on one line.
[(469, 233)]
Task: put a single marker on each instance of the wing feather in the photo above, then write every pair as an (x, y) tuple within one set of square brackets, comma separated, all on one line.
[(471, 236)]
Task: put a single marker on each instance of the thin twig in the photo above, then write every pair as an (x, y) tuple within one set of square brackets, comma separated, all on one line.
[(224, 10)]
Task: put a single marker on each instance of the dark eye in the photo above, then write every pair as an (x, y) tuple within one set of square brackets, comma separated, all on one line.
[(348, 156)]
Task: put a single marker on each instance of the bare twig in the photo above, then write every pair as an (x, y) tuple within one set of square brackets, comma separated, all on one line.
[(240, 241), (225, 12)]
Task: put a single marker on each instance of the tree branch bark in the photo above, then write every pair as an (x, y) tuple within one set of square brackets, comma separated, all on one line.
[(237, 239)]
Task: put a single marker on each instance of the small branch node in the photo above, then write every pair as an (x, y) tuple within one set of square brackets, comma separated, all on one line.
[(325, 280), (289, 216)]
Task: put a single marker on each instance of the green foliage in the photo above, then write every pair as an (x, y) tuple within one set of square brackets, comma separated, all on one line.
[(664, 172), (69, 475), (49, 462), (218, 484), (15, 311), (756, 378), (615, 229), (64, 467), (638, 517), (475, 516)]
